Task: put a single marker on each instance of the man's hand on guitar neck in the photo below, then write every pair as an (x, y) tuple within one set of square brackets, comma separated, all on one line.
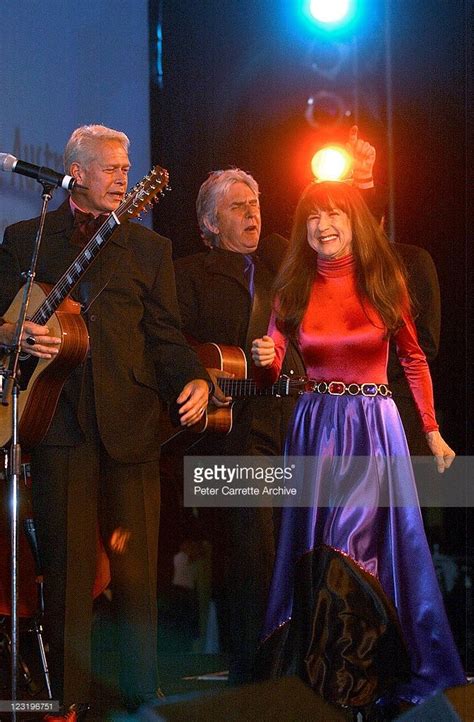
[(35, 339), (218, 397)]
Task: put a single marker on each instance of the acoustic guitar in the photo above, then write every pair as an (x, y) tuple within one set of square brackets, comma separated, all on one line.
[(218, 419), (41, 380)]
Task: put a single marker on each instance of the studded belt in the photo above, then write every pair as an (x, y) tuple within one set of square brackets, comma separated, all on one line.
[(338, 388)]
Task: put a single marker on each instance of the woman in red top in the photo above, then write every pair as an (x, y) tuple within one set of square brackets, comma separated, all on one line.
[(355, 607)]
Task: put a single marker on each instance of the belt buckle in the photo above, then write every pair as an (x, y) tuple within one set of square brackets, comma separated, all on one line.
[(368, 389), (336, 388)]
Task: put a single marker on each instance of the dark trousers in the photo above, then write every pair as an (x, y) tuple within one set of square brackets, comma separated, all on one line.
[(245, 538), (249, 535), (73, 489)]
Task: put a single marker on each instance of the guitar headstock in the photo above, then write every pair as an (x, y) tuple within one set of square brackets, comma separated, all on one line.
[(144, 194)]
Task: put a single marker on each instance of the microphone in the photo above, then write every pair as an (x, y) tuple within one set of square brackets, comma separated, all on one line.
[(11, 164)]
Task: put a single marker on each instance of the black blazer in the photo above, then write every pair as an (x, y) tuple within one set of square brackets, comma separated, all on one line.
[(424, 289), (136, 346), (214, 299), (215, 305)]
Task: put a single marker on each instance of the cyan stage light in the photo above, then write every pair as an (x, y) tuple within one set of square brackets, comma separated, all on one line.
[(332, 12)]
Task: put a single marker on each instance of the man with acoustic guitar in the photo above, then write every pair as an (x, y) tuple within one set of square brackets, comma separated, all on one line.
[(224, 295), (98, 456)]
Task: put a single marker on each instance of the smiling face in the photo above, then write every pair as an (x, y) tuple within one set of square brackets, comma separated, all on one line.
[(238, 221), (105, 176), (329, 233)]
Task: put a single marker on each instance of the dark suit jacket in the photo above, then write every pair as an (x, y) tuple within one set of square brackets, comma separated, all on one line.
[(133, 322), (424, 289), (215, 305), (214, 299)]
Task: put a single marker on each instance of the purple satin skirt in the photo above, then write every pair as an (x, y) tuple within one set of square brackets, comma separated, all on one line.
[(388, 541)]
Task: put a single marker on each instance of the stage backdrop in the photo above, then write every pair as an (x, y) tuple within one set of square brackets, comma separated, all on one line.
[(64, 64)]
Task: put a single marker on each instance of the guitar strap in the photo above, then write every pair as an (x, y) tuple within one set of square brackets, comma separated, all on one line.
[(260, 315)]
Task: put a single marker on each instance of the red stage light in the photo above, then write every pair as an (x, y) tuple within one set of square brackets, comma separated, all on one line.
[(332, 162)]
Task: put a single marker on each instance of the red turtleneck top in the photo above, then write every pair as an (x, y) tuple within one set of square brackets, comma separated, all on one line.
[(343, 339)]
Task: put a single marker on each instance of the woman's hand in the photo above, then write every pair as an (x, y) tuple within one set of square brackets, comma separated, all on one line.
[(443, 454), (263, 351)]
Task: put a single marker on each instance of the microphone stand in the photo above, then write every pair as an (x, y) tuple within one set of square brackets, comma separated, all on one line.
[(10, 394)]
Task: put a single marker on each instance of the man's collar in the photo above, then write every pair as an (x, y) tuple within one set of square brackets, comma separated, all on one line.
[(74, 207)]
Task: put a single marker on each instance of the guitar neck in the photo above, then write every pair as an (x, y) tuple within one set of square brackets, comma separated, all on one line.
[(75, 271), (239, 388)]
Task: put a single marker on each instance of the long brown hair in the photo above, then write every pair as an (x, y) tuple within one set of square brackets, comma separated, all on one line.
[(380, 275)]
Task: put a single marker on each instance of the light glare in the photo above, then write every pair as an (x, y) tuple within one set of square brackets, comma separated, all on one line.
[(329, 11), (331, 163)]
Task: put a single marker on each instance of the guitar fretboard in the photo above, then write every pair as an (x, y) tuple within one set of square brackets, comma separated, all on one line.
[(75, 271), (249, 387)]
